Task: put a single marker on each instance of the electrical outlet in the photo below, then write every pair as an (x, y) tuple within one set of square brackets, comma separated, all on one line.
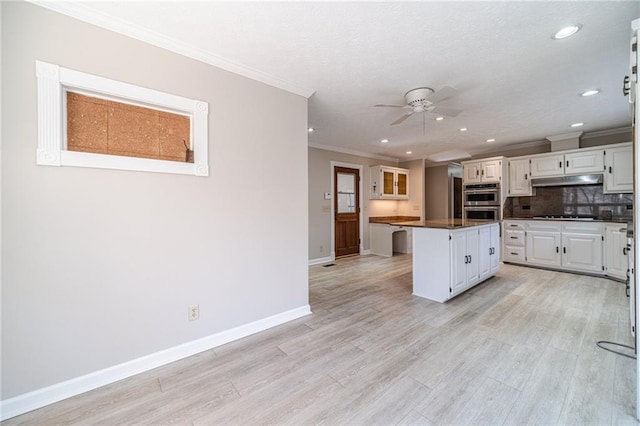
[(194, 312)]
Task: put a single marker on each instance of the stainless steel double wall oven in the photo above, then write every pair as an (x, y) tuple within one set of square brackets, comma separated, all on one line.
[(482, 201)]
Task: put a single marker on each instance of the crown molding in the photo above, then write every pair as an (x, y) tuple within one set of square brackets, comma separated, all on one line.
[(86, 14), (608, 132), (500, 150), (352, 152)]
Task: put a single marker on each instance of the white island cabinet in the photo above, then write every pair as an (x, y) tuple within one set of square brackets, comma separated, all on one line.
[(452, 256)]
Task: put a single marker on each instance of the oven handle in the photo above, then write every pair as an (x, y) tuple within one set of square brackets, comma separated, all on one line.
[(482, 208), (480, 191)]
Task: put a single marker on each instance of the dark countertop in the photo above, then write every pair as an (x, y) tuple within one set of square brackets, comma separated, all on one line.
[(447, 223), (393, 219), (614, 220)]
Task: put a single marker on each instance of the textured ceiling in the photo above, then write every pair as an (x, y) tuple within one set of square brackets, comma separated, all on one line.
[(516, 84)]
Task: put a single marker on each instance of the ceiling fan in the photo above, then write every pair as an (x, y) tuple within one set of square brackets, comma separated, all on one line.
[(423, 99)]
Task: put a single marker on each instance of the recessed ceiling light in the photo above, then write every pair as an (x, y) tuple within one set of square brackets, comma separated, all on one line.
[(384, 140), (567, 31), (491, 140), (439, 118), (464, 129), (590, 92), (577, 124), (409, 152), (310, 130)]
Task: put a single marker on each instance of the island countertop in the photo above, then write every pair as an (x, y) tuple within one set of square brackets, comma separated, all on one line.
[(393, 219), (446, 223)]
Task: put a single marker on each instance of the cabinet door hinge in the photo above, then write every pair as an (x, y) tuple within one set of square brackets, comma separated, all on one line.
[(602, 237), (359, 241), (603, 267), (449, 237), (450, 290)]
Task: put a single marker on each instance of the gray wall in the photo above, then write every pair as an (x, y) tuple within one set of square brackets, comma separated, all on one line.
[(100, 266), (320, 182), (437, 192)]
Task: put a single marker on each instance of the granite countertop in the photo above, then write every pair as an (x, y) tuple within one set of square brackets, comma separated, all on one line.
[(447, 223), (393, 219), (614, 220)]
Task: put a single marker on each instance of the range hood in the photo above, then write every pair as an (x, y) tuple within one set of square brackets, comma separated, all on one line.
[(568, 180)]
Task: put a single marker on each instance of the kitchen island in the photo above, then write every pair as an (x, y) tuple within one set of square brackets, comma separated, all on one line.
[(385, 237), (452, 255)]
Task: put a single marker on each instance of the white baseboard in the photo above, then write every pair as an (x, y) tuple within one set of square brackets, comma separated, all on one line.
[(365, 252), (39, 398), (320, 260)]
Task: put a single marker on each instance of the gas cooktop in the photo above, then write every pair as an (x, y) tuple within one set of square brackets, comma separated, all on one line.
[(566, 217)]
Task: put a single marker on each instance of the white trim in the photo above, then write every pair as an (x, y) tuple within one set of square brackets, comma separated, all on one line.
[(54, 80), (365, 252), (360, 202), (352, 152), (321, 260), (87, 14), (39, 398)]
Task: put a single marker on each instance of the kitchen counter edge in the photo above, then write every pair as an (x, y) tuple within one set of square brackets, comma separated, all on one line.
[(446, 223)]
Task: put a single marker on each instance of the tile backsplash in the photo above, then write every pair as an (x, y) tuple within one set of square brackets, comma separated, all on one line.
[(574, 200)]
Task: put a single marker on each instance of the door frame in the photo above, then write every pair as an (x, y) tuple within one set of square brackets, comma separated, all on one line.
[(359, 167)]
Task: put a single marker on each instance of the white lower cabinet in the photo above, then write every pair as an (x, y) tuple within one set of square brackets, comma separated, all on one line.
[(543, 248), (447, 262), (465, 262), (592, 247), (489, 251), (616, 257), (582, 252)]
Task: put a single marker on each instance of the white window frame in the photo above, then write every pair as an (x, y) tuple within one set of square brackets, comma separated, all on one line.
[(53, 83)]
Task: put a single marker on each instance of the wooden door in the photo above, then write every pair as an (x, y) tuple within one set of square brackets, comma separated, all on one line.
[(347, 210)]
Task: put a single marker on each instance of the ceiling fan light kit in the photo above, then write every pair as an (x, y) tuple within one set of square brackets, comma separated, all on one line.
[(423, 99)]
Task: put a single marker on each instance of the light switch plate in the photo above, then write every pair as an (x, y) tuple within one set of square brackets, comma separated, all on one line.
[(327, 195)]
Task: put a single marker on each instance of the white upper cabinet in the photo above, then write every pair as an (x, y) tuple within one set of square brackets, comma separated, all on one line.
[(519, 182), (491, 171), (570, 163), (618, 174), (471, 173), (547, 165), (484, 171), (584, 161), (389, 183)]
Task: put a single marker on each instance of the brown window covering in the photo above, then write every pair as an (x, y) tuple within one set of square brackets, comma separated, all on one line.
[(107, 127)]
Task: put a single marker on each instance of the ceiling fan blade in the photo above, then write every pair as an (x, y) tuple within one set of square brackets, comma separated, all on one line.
[(442, 94), (401, 119), (449, 112), (390, 106)]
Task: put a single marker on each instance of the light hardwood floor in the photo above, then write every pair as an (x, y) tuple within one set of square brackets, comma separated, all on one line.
[(517, 349)]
